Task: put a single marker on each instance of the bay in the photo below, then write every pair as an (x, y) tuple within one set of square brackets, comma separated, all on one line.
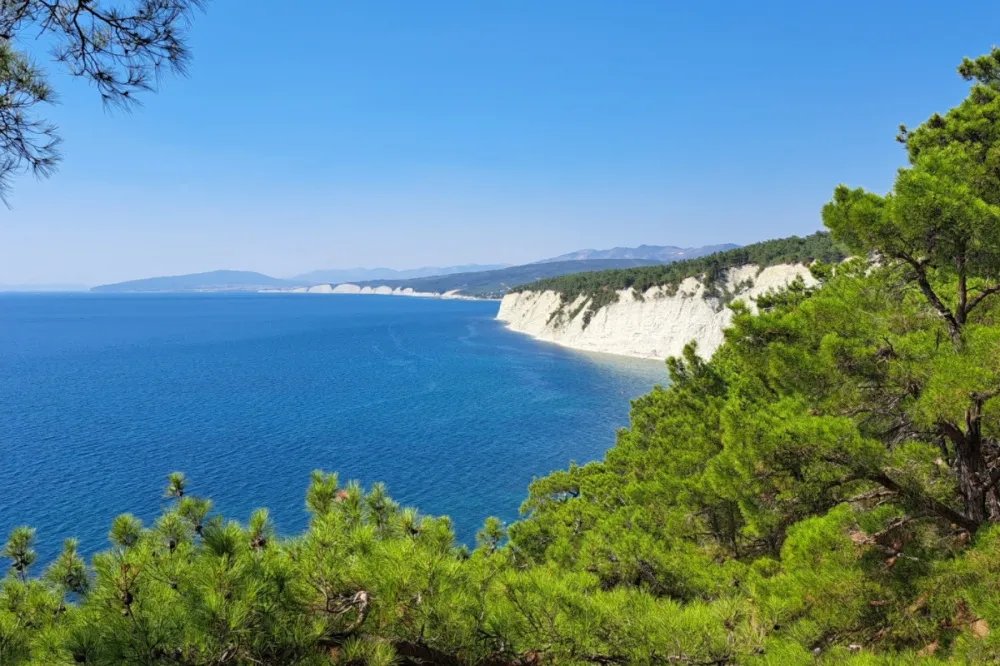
[(102, 395)]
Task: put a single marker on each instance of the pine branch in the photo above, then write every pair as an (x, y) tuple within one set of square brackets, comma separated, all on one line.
[(981, 296)]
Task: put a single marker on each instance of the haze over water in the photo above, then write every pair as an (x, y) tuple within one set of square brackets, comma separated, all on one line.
[(102, 395)]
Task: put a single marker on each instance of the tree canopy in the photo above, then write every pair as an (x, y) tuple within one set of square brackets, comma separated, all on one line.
[(823, 490), (942, 218)]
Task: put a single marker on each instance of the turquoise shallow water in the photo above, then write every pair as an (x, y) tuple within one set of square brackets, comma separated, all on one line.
[(102, 395)]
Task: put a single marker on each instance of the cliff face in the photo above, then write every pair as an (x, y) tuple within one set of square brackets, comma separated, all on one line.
[(657, 325), (382, 290)]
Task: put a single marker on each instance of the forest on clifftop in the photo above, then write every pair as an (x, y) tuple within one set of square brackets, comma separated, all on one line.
[(601, 288)]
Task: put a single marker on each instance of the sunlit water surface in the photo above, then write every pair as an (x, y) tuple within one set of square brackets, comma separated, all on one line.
[(102, 395)]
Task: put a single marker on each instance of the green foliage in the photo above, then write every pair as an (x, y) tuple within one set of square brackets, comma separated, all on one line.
[(176, 483), (941, 221), (68, 572), (489, 538), (19, 549), (600, 288)]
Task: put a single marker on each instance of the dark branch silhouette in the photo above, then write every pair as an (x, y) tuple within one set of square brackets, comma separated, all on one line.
[(121, 50)]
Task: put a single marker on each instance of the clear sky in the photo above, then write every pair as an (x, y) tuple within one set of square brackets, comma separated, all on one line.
[(330, 134)]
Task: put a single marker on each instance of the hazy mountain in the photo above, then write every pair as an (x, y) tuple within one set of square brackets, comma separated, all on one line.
[(211, 281), (335, 275), (495, 283), (471, 279), (658, 253)]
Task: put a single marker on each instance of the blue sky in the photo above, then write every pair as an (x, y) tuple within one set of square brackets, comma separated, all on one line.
[(336, 134)]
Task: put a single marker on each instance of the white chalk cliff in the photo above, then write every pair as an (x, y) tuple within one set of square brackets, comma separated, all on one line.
[(657, 325), (381, 290)]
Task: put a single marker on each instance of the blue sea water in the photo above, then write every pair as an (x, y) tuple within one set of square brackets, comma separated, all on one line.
[(102, 395)]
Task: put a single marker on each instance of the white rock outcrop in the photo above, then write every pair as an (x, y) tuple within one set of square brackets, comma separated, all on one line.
[(379, 290), (457, 295), (657, 325), (408, 291)]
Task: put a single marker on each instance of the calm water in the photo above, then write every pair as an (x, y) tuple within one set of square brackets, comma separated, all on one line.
[(102, 395)]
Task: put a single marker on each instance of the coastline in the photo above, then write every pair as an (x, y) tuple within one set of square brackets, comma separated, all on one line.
[(617, 353), (655, 324), (350, 289)]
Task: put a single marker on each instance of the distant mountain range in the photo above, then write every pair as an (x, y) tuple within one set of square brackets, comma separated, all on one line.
[(339, 275), (211, 281), (494, 284), (660, 253), (488, 280)]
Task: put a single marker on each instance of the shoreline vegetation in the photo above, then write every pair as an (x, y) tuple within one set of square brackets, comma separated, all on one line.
[(824, 489), (602, 288)]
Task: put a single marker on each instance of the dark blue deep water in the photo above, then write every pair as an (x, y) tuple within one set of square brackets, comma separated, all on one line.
[(102, 395)]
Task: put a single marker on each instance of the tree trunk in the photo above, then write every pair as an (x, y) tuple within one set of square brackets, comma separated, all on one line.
[(933, 505), (954, 327), (975, 480), (961, 308)]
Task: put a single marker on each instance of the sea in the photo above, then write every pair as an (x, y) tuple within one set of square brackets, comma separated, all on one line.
[(103, 395)]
